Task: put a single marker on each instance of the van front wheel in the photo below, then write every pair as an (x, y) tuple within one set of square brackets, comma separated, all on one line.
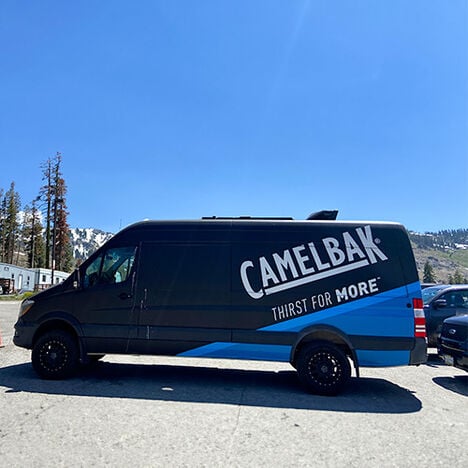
[(323, 368), (55, 355)]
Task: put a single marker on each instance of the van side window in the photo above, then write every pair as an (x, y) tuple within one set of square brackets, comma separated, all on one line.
[(112, 267), (91, 275)]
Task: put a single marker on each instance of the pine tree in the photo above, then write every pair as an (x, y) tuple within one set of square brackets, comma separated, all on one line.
[(58, 252), (428, 275), (2, 225), (46, 194), (458, 278), (10, 206), (63, 249), (33, 239)]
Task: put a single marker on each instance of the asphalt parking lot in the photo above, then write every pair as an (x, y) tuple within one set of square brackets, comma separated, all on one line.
[(153, 411)]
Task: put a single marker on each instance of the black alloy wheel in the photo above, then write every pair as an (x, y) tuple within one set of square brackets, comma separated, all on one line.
[(323, 368), (55, 355)]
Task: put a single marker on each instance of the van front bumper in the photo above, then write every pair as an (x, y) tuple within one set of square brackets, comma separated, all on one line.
[(24, 334)]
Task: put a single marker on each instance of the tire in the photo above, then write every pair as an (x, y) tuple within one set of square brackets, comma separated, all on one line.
[(323, 368), (55, 355)]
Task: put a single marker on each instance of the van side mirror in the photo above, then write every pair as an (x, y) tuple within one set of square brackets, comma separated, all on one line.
[(76, 279), (440, 303)]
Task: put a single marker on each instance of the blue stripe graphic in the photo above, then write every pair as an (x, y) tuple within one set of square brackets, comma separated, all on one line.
[(384, 314), (241, 351)]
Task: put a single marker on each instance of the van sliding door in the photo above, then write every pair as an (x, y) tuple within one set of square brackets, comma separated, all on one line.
[(184, 296)]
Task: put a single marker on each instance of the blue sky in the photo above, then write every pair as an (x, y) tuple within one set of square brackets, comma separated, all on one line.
[(182, 109)]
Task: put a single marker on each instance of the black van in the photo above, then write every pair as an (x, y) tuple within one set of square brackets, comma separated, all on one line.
[(318, 294)]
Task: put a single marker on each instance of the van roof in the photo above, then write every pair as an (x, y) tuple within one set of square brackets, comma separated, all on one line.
[(249, 221), (323, 215)]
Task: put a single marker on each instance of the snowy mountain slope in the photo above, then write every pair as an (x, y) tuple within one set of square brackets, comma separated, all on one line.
[(85, 241)]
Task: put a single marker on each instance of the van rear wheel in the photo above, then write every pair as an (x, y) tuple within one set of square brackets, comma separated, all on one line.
[(55, 355), (323, 368)]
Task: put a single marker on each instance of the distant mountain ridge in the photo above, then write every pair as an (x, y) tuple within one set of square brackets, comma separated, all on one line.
[(449, 239), (446, 251)]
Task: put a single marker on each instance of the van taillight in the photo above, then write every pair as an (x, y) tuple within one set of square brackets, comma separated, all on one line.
[(419, 319)]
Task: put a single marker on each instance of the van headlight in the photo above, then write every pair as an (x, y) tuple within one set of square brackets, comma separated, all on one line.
[(25, 306)]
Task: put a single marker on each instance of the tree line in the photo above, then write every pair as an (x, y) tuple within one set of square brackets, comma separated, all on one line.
[(37, 235), (442, 240), (429, 276)]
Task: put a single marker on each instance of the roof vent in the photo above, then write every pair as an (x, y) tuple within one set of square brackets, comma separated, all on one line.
[(324, 215), (253, 218)]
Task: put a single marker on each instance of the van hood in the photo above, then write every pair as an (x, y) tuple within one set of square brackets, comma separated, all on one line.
[(52, 291)]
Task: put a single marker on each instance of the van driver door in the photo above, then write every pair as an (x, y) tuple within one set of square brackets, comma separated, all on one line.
[(105, 303)]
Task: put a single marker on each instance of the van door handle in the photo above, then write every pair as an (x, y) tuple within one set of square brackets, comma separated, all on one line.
[(125, 296)]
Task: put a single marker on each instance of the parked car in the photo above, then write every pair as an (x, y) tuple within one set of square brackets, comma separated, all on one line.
[(446, 302), (430, 291), (453, 344), (7, 285)]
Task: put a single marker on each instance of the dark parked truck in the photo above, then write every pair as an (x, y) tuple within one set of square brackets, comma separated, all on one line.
[(318, 294), (453, 343)]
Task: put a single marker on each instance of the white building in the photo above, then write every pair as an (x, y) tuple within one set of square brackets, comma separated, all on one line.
[(15, 279), (43, 277)]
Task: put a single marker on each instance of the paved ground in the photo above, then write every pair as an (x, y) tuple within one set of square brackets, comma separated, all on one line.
[(8, 315), (149, 411)]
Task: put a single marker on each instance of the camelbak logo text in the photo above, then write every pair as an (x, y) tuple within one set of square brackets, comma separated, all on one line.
[(304, 264)]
